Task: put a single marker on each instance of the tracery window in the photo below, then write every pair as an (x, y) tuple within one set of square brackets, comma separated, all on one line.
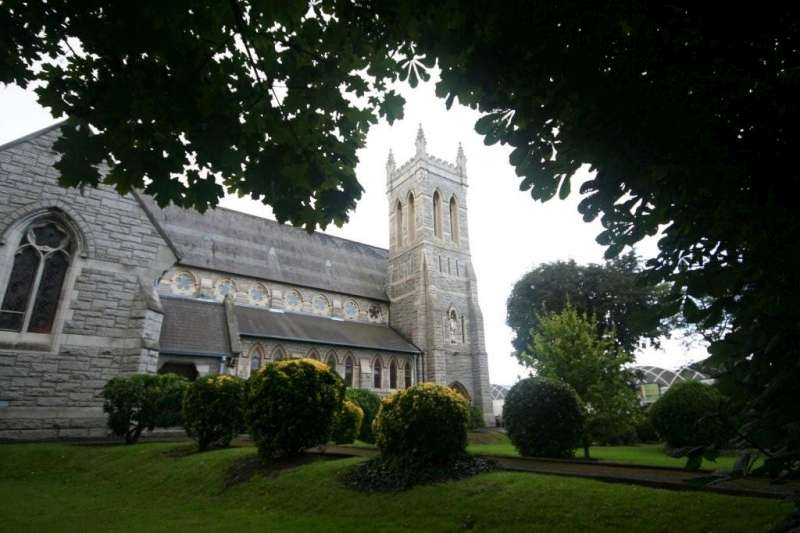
[(377, 373), (258, 294), (293, 301), (320, 305), (184, 283), (225, 287), (278, 353), (393, 374), (34, 288), (351, 310), (375, 313)]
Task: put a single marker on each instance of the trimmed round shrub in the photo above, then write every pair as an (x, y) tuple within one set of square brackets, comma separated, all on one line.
[(143, 401), (213, 410), (347, 423), (425, 424), (544, 418), (291, 405), (370, 403), (685, 415)]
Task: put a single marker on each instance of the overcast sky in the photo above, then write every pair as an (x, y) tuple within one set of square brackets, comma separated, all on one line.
[(510, 233)]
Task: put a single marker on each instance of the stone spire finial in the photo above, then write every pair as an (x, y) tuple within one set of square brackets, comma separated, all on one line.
[(390, 166), (461, 161), (420, 142)]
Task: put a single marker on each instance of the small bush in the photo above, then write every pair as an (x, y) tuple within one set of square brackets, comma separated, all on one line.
[(476, 417), (543, 417), (291, 405), (347, 423), (143, 401), (686, 415), (213, 410), (370, 403), (381, 475), (425, 425)]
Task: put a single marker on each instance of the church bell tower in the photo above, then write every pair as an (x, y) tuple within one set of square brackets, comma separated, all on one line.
[(432, 285)]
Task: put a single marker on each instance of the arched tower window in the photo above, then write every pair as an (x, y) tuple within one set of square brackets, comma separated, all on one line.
[(412, 219), (437, 214), (398, 220), (377, 373), (407, 373), (393, 374), (40, 267), (452, 322), (453, 219), (349, 369)]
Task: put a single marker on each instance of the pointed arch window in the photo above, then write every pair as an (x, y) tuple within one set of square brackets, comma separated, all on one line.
[(377, 373), (349, 368), (437, 214), (398, 220), (330, 360), (256, 358), (312, 354), (412, 219), (393, 374), (453, 219), (407, 373), (278, 353), (40, 267)]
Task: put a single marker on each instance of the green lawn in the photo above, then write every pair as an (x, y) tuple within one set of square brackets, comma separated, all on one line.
[(494, 443), (60, 487), (641, 454)]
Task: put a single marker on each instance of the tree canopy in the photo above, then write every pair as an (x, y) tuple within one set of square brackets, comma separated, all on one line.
[(686, 113), (566, 347), (621, 300)]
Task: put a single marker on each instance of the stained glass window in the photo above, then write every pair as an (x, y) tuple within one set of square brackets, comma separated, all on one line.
[(184, 282), (225, 287), (374, 312), (37, 277), (258, 294)]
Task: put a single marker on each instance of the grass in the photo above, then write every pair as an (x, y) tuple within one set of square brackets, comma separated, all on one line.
[(495, 443), (60, 487), (641, 454)]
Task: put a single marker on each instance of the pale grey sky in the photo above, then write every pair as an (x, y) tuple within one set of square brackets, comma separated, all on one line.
[(510, 233)]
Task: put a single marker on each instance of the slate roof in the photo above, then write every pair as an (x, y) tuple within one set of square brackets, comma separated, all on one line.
[(263, 323), (237, 243), (194, 327)]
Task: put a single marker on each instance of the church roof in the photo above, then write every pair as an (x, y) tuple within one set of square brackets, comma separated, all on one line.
[(194, 327), (237, 243), (264, 323)]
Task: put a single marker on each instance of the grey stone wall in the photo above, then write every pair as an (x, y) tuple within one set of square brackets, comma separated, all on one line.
[(50, 385)]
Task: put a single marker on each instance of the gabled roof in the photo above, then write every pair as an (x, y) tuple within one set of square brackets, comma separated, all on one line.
[(263, 323), (237, 243), (194, 327)]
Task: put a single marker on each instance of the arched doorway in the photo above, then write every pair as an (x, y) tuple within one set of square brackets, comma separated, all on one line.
[(461, 389), (187, 370)]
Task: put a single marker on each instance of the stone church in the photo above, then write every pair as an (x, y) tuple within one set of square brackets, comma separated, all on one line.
[(94, 285)]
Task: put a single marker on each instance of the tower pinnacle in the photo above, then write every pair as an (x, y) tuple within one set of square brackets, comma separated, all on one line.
[(461, 161), (420, 141)]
